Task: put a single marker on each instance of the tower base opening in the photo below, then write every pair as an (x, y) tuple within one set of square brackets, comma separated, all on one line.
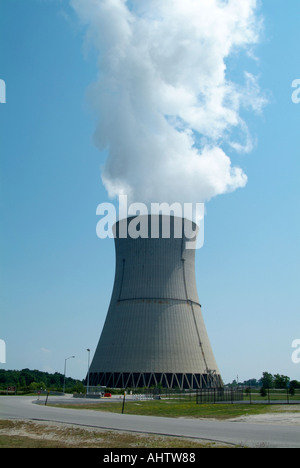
[(147, 379)]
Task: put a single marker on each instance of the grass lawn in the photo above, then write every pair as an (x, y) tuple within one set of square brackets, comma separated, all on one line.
[(176, 409)]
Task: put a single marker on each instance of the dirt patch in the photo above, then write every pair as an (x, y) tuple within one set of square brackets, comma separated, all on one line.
[(285, 415), (39, 434)]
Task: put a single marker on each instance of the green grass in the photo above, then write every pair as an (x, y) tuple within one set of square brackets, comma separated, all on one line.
[(176, 409), (273, 395)]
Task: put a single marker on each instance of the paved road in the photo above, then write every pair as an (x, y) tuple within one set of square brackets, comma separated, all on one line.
[(252, 435)]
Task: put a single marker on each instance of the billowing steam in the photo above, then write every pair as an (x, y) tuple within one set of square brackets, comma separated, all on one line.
[(168, 114)]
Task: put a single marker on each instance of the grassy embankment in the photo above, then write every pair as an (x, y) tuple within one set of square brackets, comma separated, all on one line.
[(175, 408)]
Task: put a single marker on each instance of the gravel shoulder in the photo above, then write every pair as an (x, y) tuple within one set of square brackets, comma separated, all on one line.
[(288, 415)]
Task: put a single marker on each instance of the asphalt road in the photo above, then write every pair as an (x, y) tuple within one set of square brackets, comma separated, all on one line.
[(251, 435)]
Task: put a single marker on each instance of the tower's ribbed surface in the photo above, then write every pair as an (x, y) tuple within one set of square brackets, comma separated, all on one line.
[(154, 332)]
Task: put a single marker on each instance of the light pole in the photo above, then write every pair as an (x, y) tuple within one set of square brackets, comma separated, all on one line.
[(88, 373), (71, 357)]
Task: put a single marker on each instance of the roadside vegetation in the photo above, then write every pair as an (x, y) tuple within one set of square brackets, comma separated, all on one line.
[(28, 381), (24, 434), (175, 409)]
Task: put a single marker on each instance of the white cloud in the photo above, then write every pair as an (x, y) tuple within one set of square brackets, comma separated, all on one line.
[(165, 105)]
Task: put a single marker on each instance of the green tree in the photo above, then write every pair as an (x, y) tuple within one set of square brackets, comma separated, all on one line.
[(294, 384), (22, 381), (281, 381), (263, 391), (292, 391), (79, 388), (267, 380), (37, 386)]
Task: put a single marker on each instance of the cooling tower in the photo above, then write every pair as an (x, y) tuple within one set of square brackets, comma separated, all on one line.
[(154, 331)]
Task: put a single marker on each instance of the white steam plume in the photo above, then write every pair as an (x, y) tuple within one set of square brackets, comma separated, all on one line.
[(166, 107)]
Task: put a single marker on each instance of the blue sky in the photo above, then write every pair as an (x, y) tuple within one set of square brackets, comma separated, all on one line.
[(57, 276)]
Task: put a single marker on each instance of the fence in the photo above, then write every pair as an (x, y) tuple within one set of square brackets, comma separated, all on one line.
[(236, 395), (219, 395), (272, 396), (157, 393), (248, 396)]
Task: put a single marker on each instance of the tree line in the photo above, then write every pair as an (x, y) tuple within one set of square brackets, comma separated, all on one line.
[(27, 379), (269, 381)]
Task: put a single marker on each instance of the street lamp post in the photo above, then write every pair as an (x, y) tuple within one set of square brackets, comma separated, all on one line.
[(88, 373), (71, 357)]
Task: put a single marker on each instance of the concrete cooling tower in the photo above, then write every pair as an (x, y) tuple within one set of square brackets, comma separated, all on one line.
[(154, 331)]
